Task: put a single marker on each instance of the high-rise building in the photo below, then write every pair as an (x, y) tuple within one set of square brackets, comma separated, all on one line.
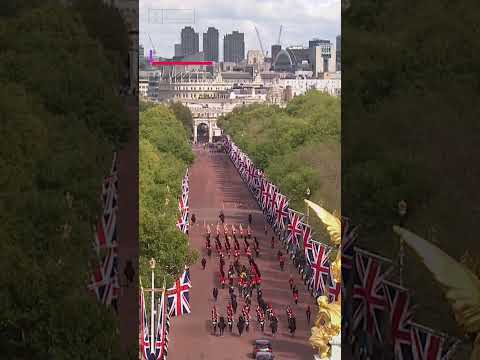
[(210, 44), (275, 50), (338, 48), (190, 42), (317, 42), (178, 50), (234, 47)]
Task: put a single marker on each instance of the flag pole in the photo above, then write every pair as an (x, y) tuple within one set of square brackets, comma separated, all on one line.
[(152, 318)]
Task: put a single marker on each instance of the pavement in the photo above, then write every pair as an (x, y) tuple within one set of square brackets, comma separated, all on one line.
[(128, 303), (215, 185)]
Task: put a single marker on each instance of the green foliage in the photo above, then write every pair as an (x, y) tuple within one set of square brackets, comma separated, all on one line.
[(113, 38), (411, 99), (298, 147), (183, 114), (145, 105), (69, 71), (60, 120), (164, 157), (160, 127)]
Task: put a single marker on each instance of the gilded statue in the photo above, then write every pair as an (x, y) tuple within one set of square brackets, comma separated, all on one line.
[(331, 222), (329, 318), (327, 326), (461, 286)]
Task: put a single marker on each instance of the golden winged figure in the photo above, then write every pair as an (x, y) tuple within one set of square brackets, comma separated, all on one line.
[(327, 326), (331, 222), (461, 286), (334, 228)]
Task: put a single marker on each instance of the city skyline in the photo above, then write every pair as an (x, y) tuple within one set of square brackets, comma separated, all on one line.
[(319, 19)]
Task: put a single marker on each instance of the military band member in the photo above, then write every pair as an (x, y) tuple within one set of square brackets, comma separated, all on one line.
[(214, 320)]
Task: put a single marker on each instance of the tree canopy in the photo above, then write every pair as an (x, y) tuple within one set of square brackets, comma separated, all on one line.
[(165, 155), (60, 121), (411, 129), (298, 147)]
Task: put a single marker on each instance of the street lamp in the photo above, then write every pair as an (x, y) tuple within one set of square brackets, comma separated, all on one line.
[(307, 195), (402, 212)]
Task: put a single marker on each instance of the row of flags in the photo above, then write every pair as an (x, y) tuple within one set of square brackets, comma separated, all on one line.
[(104, 282), (154, 344), (183, 220), (381, 308), (174, 301), (287, 222)]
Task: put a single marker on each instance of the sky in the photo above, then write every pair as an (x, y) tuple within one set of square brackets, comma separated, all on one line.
[(302, 20)]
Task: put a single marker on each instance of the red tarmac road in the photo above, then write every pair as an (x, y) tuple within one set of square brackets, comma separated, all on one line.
[(214, 185)]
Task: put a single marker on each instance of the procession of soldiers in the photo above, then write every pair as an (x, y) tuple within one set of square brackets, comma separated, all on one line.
[(243, 280)]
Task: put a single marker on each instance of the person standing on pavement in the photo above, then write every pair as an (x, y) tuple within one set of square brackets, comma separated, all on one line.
[(273, 242), (214, 320), (295, 297), (129, 272), (274, 326), (204, 263), (234, 304), (215, 293), (250, 218), (240, 324), (309, 313), (282, 262), (290, 281), (193, 218), (222, 325)]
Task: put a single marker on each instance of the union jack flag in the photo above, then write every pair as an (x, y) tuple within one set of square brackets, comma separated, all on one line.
[(182, 204), (104, 280), (178, 295), (106, 230), (266, 194), (398, 300), (349, 234), (104, 236), (162, 330), (182, 223), (110, 193), (281, 211), (307, 243), (273, 200), (294, 227), (321, 267), (145, 346), (369, 303), (334, 289), (428, 344)]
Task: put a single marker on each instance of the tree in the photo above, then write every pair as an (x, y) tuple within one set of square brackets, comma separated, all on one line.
[(298, 147), (60, 122), (164, 157), (183, 114)]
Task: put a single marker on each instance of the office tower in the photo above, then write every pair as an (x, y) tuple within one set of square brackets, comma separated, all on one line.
[(234, 47), (210, 44), (189, 41)]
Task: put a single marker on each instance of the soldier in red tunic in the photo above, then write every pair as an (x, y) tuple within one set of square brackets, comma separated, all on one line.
[(214, 320)]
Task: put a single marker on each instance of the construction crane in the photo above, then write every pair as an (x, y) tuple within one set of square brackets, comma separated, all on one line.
[(279, 35), (153, 46), (260, 41)]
